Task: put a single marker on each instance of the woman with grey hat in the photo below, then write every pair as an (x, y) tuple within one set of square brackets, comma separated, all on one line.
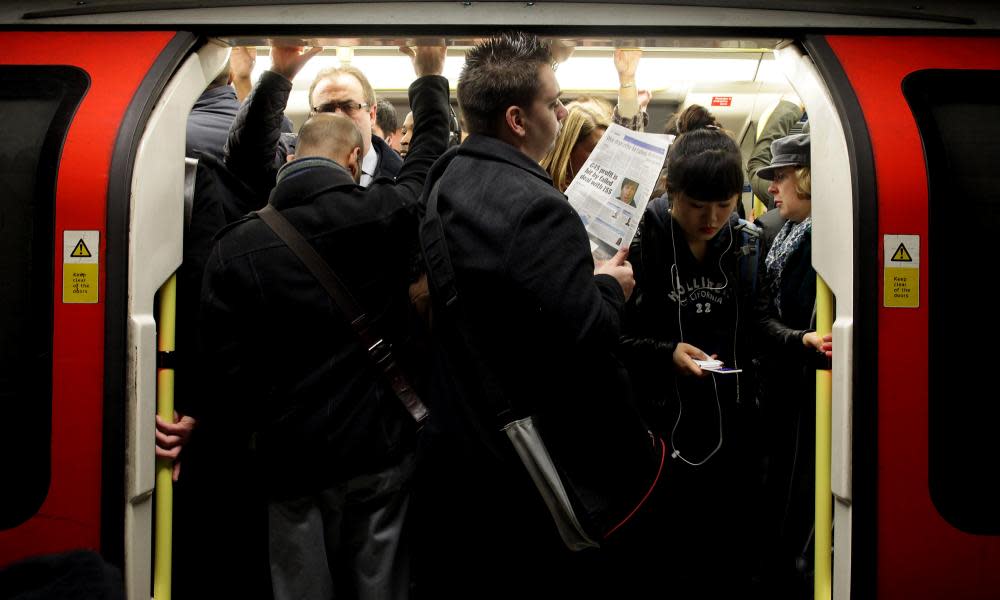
[(790, 351)]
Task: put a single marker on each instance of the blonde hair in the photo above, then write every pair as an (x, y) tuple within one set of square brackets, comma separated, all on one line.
[(803, 182), (595, 104), (578, 125)]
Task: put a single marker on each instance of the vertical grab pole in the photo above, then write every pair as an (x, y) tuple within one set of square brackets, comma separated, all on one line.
[(824, 494), (164, 467)]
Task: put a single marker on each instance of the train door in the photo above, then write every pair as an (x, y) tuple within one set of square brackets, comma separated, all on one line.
[(83, 251), (922, 117)]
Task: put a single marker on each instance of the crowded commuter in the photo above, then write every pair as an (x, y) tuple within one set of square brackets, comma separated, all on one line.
[(580, 132), (386, 124), (405, 134), (522, 317), (630, 112), (332, 443), (778, 124), (691, 304), (257, 148), (790, 352), (234, 559), (691, 118), (215, 110)]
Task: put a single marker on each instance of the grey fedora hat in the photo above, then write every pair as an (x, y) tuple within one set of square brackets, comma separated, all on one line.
[(789, 151)]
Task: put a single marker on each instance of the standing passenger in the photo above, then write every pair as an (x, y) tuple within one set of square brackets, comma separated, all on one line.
[(580, 132), (691, 304), (333, 444), (257, 148), (791, 351), (386, 124), (535, 325)]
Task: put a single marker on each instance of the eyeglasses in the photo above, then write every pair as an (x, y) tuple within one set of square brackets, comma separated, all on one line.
[(347, 107)]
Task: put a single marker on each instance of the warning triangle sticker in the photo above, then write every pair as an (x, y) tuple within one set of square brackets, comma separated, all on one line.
[(81, 250), (901, 254)]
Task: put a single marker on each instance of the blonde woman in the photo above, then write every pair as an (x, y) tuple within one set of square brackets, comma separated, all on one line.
[(581, 130)]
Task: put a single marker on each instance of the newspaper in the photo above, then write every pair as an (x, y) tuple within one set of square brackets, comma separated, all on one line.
[(612, 189)]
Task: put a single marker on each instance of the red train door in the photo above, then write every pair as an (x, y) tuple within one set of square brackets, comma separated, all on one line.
[(923, 120), (72, 107)]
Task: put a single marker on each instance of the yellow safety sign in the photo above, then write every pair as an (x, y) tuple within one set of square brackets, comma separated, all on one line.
[(81, 267), (81, 250), (901, 255), (901, 278)]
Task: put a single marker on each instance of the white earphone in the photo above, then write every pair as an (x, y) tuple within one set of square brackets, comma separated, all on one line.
[(676, 286)]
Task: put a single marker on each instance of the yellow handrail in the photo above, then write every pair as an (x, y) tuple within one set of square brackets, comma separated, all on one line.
[(824, 495), (164, 467)]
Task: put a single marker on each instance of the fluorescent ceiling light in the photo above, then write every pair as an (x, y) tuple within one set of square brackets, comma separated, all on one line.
[(579, 73)]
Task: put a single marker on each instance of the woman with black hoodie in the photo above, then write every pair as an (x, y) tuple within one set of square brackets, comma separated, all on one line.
[(690, 305)]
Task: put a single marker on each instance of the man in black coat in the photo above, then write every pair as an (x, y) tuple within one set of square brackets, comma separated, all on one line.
[(257, 148), (332, 442), (534, 325)]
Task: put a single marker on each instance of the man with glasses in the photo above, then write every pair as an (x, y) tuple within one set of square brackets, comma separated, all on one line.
[(256, 148), (346, 90)]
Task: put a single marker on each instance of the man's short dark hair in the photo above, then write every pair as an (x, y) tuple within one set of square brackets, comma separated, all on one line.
[(705, 165), (385, 117), (499, 72)]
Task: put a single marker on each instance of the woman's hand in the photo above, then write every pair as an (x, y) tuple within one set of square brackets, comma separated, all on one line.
[(822, 344), (684, 357)]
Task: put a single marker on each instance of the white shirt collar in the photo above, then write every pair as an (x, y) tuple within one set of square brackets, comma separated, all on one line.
[(368, 165)]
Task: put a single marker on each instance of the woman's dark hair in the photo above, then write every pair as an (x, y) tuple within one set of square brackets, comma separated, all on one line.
[(693, 117), (705, 165)]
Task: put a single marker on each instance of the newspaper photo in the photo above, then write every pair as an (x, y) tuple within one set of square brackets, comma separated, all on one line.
[(612, 189)]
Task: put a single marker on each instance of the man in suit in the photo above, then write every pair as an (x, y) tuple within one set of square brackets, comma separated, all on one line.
[(256, 148)]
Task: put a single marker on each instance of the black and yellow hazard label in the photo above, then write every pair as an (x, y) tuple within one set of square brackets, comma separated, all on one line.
[(80, 250), (901, 271), (81, 266), (901, 255)]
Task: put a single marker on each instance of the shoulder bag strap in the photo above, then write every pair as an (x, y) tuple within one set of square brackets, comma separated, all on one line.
[(441, 276), (379, 350)]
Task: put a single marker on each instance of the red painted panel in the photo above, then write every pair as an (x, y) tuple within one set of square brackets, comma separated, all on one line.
[(116, 63), (920, 555)]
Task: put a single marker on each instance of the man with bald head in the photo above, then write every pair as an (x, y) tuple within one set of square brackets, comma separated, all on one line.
[(333, 444), (332, 137)]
